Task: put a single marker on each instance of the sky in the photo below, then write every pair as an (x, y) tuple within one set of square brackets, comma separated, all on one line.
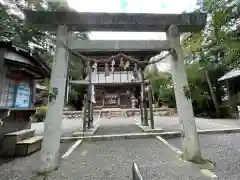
[(133, 6)]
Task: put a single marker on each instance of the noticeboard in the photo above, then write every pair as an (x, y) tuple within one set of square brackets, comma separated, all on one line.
[(23, 94)]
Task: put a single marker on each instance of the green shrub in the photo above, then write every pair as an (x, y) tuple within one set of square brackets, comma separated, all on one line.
[(225, 111), (40, 113)]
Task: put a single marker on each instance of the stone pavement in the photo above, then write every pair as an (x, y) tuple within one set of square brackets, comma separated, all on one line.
[(169, 123), (117, 125), (69, 126)]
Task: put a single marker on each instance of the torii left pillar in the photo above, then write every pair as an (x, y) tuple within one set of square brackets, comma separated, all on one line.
[(49, 160)]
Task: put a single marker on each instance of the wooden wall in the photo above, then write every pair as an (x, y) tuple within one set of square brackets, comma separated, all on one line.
[(113, 97)]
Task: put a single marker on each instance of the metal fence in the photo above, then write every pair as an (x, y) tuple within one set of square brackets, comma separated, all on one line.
[(136, 175)]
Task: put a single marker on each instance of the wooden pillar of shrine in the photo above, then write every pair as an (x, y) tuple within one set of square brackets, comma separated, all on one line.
[(141, 109), (90, 109), (143, 99), (85, 106), (150, 97)]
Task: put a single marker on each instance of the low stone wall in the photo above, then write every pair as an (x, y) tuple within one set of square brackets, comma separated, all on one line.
[(40, 114), (129, 112)]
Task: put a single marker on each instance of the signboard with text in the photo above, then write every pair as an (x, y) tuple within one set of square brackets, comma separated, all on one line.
[(23, 94)]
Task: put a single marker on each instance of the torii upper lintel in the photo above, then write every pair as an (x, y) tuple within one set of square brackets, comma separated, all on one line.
[(135, 22)]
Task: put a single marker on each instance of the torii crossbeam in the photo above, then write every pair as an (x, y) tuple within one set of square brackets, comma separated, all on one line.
[(135, 22), (108, 47)]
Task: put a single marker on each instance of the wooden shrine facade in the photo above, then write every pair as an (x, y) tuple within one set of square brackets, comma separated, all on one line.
[(116, 94), (116, 84)]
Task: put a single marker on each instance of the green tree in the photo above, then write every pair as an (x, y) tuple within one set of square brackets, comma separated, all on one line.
[(13, 28), (214, 50), (162, 88)]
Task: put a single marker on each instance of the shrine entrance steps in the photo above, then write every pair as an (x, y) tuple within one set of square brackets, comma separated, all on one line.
[(112, 112), (117, 125)]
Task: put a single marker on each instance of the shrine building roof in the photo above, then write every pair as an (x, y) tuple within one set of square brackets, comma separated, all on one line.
[(25, 60)]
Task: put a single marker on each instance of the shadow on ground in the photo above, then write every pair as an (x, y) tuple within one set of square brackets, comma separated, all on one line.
[(4, 160)]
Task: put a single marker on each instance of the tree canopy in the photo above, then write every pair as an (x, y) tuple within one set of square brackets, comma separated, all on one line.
[(209, 54), (14, 29)]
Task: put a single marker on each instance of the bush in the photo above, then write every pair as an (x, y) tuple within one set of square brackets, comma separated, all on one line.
[(225, 111), (44, 108), (40, 114)]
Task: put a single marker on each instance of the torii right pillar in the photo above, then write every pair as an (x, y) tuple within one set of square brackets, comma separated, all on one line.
[(190, 140)]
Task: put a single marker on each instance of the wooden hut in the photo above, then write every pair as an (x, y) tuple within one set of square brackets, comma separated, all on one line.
[(19, 68)]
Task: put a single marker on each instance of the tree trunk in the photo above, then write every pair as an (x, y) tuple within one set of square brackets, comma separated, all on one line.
[(215, 102)]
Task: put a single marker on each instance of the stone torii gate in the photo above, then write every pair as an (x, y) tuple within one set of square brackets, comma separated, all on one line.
[(64, 21)]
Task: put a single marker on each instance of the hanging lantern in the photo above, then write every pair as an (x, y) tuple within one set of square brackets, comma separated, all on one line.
[(95, 67), (126, 65), (121, 62), (135, 71), (106, 70), (113, 63)]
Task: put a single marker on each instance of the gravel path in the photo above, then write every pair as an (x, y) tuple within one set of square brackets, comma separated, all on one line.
[(112, 160), (24, 168), (223, 150), (117, 125)]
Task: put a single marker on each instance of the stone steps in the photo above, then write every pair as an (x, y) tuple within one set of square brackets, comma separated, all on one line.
[(111, 114), (20, 143), (77, 114), (11, 139), (28, 146)]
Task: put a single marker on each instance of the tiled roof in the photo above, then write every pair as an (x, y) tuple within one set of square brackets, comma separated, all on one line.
[(32, 56), (232, 74)]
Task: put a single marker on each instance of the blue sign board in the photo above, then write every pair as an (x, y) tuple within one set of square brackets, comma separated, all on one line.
[(23, 95)]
